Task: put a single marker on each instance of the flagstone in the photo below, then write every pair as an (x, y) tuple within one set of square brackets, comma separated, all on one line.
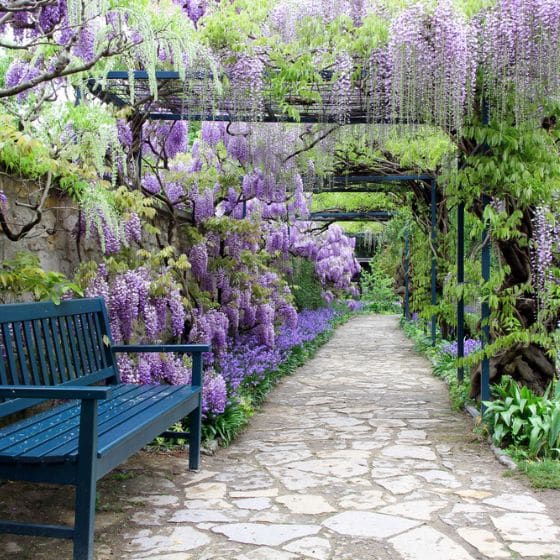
[(206, 491), (527, 527), (311, 547), (367, 499), (473, 493), (415, 509), (204, 515), (266, 553), (412, 434), (409, 452), (367, 524), (400, 484), (263, 493), (484, 541), (531, 550), (149, 517), (517, 502), (178, 540), (440, 477), (425, 543), (265, 533), (335, 466), (281, 457), (309, 504), (256, 504), (156, 500), (208, 504), (466, 514)]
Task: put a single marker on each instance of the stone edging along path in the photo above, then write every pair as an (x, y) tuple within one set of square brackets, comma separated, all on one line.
[(357, 456)]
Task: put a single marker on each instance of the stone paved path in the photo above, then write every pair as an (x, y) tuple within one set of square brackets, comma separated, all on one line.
[(357, 456)]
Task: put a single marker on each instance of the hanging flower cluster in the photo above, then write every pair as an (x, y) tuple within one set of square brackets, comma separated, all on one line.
[(545, 247), (521, 54), (427, 59), (432, 57), (134, 311)]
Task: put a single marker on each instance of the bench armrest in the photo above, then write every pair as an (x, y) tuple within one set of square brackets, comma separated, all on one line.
[(58, 392), (178, 348)]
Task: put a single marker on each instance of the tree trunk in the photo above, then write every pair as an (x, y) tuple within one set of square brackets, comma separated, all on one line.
[(528, 364)]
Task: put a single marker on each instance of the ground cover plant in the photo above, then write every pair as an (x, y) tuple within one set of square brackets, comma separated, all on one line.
[(528, 427), (525, 422)]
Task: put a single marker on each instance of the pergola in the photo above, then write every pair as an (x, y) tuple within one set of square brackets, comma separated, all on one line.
[(191, 98)]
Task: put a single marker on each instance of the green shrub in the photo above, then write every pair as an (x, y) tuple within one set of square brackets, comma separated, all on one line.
[(524, 421), (377, 292), (23, 277), (306, 287)]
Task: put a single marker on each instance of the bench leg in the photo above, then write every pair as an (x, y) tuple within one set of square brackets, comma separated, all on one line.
[(195, 420), (84, 525)]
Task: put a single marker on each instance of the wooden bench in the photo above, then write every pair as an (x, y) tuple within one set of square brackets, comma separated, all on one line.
[(65, 351)]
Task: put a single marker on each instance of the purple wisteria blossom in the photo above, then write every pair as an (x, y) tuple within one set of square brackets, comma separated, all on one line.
[(470, 345)]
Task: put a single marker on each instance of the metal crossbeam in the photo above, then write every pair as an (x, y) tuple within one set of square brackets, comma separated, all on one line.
[(194, 98), (376, 216), (360, 179)]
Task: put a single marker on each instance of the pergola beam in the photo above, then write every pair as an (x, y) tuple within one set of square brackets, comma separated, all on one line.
[(375, 216), (191, 98)]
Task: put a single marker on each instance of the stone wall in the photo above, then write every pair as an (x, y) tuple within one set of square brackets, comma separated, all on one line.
[(52, 240)]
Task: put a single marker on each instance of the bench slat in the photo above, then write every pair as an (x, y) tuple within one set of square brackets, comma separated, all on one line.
[(61, 369), (47, 441), (128, 409), (176, 395), (94, 344), (3, 373), (32, 351), (74, 364), (75, 321), (27, 428), (65, 348), (9, 349), (21, 354), (54, 435), (41, 352), (88, 343), (99, 335), (50, 352), (15, 405)]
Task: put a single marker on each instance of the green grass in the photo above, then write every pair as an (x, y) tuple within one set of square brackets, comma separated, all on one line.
[(542, 474)]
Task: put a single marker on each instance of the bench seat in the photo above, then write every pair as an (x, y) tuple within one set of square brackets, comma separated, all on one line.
[(52, 436)]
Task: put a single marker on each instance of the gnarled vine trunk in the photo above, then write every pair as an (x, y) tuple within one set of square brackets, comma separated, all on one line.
[(529, 364)]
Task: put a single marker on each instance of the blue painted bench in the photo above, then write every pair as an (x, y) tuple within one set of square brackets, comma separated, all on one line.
[(65, 352)]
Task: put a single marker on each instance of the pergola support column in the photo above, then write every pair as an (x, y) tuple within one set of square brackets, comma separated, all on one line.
[(461, 282), (485, 311), (406, 274), (433, 207)]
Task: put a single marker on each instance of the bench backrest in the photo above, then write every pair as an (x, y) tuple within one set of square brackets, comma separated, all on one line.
[(48, 344)]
